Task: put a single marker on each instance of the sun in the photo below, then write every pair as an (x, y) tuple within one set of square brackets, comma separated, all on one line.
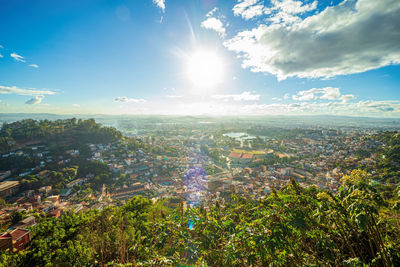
[(205, 69)]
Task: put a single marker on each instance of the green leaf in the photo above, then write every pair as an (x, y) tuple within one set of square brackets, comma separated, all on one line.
[(362, 221)]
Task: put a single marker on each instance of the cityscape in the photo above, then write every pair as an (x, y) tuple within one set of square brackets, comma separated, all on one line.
[(186, 162), (200, 133)]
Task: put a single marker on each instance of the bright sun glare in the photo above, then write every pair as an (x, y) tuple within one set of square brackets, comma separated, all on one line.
[(205, 69)]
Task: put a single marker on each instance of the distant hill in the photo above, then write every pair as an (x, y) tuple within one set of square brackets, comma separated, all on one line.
[(273, 120)]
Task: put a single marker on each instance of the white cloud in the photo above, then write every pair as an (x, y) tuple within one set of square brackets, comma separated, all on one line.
[(336, 41), (245, 96), (34, 66), (304, 96), (328, 93), (279, 11), (125, 99), (35, 100), (21, 91), (174, 96), (160, 4), (209, 14), (286, 96), (214, 24), (248, 9), (293, 7), (276, 99), (346, 98), (17, 57), (378, 106), (76, 105)]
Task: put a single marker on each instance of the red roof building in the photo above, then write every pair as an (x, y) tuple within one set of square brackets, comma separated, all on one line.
[(247, 156), (235, 155), (240, 159), (15, 240)]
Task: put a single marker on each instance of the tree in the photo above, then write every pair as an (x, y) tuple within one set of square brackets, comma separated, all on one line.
[(16, 217)]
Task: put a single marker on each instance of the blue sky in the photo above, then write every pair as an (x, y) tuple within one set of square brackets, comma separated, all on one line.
[(258, 57)]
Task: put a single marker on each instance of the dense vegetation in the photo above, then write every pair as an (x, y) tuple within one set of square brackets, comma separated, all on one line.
[(388, 164), (292, 227), (51, 132)]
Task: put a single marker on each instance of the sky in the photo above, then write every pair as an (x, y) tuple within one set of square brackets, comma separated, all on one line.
[(200, 57)]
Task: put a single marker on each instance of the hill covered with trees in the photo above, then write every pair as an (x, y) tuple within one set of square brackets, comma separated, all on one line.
[(58, 131)]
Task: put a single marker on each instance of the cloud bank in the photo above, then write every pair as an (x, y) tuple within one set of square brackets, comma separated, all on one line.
[(352, 37), (245, 96), (125, 99), (328, 93)]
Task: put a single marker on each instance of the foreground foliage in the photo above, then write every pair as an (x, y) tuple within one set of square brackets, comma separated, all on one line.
[(292, 227)]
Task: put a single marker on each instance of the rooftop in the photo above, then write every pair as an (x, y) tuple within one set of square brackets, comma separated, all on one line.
[(15, 234), (235, 155), (8, 184)]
